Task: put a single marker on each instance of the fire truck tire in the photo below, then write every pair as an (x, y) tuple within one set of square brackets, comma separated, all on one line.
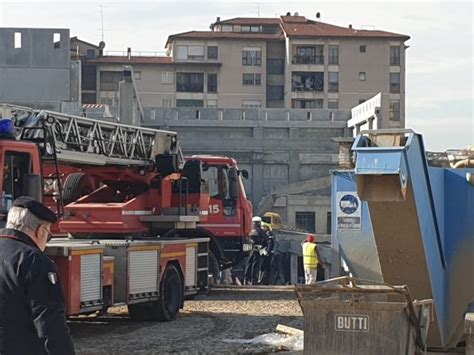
[(171, 295), (213, 268), (77, 185)]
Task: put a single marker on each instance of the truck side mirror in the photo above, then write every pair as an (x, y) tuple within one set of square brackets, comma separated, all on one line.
[(233, 183), (33, 186), (244, 174)]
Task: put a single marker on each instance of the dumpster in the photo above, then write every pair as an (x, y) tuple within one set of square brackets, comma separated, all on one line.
[(346, 315)]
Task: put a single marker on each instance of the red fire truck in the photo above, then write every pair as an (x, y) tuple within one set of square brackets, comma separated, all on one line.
[(142, 217)]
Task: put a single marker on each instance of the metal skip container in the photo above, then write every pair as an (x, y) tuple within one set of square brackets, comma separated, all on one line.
[(351, 316)]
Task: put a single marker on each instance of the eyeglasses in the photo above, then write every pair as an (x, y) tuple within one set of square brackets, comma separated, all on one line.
[(50, 236)]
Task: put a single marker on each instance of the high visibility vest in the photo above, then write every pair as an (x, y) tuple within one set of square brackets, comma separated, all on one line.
[(310, 258)]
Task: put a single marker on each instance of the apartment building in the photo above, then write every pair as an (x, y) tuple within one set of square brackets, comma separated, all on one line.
[(286, 62)]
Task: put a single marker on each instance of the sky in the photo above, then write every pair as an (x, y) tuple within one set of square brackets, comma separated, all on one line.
[(440, 76)]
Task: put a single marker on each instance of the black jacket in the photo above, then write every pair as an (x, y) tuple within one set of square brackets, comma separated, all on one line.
[(32, 315)]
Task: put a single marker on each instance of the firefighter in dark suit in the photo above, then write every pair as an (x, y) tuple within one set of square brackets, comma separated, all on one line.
[(32, 308)]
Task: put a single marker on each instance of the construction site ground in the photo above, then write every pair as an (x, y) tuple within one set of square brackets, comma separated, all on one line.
[(205, 325)]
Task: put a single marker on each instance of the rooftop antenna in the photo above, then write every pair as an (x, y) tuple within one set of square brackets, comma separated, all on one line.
[(102, 21), (258, 9)]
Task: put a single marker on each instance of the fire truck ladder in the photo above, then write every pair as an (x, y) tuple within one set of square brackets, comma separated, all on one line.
[(76, 139)]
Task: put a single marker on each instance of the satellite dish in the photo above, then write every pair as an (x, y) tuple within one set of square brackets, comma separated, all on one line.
[(101, 44)]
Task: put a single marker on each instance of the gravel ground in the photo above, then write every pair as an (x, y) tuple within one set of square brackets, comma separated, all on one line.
[(201, 328)]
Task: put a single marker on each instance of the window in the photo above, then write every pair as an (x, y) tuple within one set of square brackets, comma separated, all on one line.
[(190, 52), (306, 221), (109, 80), (394, 82), (210, 175), (275, 92), (362, 48), (252, 57), (305, 55), (167, 77), (56, 40), (190, 82), (212, 52), (212, 103), (394, 55), (333, 54), (90, 54), (275, 66), (137, 75), (362, 76), (212, 82), (251, 79), (17, 40), (227, 28), (333, 104), (250, 29), (15, 167), (189, 103), (394, 110), (309, 55), (328, 223), (308, 81), (251, 104), (333, 85)]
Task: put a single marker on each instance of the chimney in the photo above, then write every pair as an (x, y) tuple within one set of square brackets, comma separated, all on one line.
[(350, 26), (129, 53), (218, 19)]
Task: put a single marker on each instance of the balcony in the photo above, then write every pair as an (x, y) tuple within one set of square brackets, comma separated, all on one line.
[(308, 59), (307, 81)]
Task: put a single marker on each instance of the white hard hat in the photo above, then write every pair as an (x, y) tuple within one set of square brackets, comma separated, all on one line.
[(256, 219)]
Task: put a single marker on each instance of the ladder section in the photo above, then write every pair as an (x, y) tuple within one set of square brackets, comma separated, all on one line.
[(89, 141)]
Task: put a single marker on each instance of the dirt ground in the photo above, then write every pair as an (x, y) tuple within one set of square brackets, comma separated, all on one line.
[(202, 327)]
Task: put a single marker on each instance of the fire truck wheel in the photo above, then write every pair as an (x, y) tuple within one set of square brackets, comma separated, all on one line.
[(77, 185), (213, 268), (171, 295)]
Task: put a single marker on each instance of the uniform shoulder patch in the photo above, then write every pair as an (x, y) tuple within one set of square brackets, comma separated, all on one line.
[(52, 277)]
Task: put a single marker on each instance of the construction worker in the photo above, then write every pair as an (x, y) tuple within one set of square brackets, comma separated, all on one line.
[(311, 258), (32, 308), (258, 237)]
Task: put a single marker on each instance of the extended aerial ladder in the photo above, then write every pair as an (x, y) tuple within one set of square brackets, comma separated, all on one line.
[(82, 153), (93, 142)]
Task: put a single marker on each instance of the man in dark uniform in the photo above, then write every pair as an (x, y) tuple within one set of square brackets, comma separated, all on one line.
[(258, 237), (32, 311)]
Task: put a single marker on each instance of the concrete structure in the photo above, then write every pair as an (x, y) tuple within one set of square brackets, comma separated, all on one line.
[(36, 69), (278, 147), (286, 62)]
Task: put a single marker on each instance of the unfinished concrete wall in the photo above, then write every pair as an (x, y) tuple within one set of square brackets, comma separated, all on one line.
[(35, 67), (277, 147)]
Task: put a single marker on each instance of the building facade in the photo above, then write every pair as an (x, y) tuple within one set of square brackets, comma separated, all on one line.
[(286, 62)]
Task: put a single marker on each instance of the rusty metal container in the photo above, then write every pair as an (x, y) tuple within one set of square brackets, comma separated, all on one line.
[(348, 316)]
